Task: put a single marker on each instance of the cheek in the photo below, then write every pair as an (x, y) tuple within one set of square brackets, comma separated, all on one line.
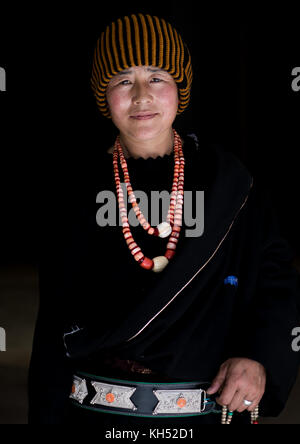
[(168, 97), (117, 103)]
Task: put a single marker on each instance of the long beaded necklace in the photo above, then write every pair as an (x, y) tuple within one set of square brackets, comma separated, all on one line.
[(227, 415), (173, 224)]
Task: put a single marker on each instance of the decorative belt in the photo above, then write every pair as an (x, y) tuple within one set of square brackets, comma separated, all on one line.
[(143, 399)]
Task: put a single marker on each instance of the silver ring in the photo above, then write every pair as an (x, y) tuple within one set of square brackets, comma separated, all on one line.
[(247, 403)]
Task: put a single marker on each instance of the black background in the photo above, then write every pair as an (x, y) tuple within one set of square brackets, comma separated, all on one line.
[(51, 129)]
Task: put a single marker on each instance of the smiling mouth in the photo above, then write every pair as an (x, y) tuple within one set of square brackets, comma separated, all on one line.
[(144, 116)]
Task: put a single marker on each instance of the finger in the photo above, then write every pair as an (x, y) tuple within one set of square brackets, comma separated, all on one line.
[(218, 381), (228, 393), (255, 403), (237, 402), (251, 397)]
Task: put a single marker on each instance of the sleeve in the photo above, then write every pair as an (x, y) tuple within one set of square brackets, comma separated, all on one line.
[(274, 311)]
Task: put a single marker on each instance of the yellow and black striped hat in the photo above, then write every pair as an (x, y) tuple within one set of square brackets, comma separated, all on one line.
[(139, 40)]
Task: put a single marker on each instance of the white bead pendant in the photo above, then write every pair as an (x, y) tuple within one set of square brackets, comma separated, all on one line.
[(164, 229), (160, 262)]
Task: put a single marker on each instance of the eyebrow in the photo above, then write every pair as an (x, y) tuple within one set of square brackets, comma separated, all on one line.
[(129, 71), (154, 69)]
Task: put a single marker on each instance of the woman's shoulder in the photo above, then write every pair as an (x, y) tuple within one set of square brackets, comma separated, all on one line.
[(213, 160)]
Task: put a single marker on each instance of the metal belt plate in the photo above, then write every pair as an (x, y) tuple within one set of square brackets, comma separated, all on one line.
[(113, 395), (168, 401), (79, 389)]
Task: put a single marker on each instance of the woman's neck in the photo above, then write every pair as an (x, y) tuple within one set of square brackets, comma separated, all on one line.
[(155, 147)]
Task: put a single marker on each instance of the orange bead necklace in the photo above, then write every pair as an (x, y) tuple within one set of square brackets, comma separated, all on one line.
[(171, 227)]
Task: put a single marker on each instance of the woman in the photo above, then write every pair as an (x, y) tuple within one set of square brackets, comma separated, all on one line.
[(163, 326)]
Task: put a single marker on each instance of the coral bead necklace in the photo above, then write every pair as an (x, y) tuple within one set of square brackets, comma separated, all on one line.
[(171, 227)]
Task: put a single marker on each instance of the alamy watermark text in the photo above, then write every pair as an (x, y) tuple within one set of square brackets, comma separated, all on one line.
[(296, 341), (2, 79), (296, 80), (2, 340), (193, 211)]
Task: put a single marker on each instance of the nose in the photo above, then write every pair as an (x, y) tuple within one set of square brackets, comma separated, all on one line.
[(141, 94)]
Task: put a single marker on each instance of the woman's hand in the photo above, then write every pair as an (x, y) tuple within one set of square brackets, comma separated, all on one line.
[(239, 379)]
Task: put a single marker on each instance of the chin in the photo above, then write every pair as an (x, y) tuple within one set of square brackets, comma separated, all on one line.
[(145, 135), (145, 132)]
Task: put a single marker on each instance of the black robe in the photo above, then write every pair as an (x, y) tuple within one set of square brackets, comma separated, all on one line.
[(185, 321)]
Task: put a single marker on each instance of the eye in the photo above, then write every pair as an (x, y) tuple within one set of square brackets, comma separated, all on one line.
[(124, 82), (156, 80)]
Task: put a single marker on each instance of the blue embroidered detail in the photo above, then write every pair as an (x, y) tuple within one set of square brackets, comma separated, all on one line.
[(232, 280)]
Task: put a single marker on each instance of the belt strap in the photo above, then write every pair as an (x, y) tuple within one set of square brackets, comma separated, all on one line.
[(143, 399)]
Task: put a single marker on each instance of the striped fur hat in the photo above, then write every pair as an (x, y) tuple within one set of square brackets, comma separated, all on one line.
[(136, 41)]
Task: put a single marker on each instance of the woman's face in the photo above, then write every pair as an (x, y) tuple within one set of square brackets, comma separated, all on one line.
[(143, 102)]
